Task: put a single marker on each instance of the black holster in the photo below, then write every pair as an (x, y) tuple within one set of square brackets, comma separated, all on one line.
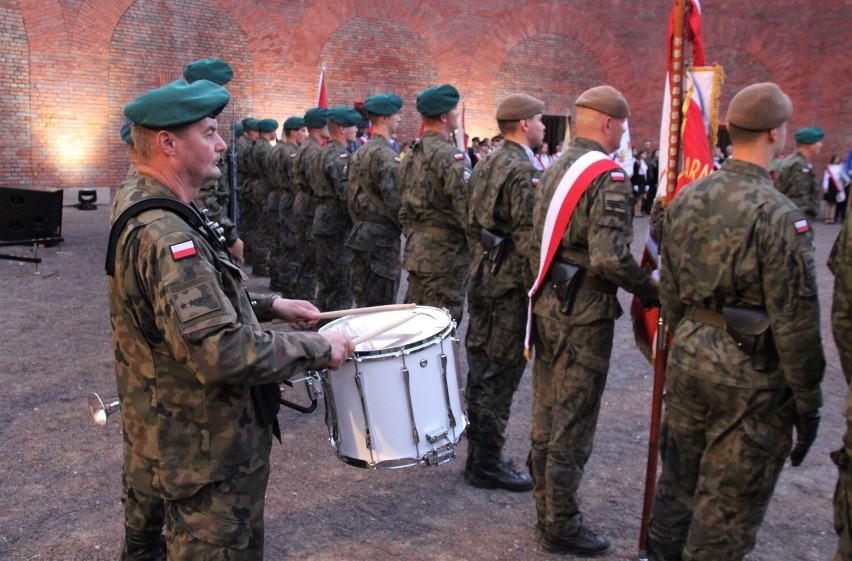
[(566, 282), (749, 327), (495, 248)]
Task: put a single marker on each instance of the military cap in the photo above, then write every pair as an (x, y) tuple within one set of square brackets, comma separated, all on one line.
[(294, 123), (316, 118), (605, 99), (437, 100), (125, 132), (517, 106), (344, 116), (383, 104), (759, 107), (809, 135), (239, 129), (214, 69), (250, 124), (267, 125), (177, 104)]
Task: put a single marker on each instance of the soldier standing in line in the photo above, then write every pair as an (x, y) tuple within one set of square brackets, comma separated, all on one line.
[(501, 203), (259, 159), (304, 208), (795, 176), (840, 263), (330, 181), (191, 358), (374, 207), (247, 176), (739, 294), (283, 274), (433, 182), (575, 312)]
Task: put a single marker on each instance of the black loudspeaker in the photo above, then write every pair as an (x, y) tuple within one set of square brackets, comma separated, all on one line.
[(30, 214)]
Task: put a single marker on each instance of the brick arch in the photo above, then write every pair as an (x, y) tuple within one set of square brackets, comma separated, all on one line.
[(16, 120)]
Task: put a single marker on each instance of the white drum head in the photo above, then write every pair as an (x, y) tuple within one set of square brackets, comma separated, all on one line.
[(425, 323)]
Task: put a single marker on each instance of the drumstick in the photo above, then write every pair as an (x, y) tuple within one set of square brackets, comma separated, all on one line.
[(367, 310), (382, 329)]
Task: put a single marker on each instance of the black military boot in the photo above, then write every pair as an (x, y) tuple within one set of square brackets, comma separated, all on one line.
[(585, 542), (143, 546), (501, 475)]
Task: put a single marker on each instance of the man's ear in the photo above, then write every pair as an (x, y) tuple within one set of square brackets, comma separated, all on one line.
[(165, 142)]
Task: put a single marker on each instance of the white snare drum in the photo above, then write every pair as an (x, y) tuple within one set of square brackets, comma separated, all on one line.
[(397, 402)]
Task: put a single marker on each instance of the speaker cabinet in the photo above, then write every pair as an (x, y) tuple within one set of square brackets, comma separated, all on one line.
[(30, 214)]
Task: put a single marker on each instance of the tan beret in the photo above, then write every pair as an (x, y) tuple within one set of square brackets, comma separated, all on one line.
[(517, 106), (605, 99), (760, 107)]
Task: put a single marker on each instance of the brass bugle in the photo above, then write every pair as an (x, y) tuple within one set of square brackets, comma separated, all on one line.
[(100, 410)]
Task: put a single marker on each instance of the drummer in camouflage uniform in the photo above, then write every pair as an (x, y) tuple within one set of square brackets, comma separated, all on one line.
[(501, 202), (374, 207), (196, 376), (433, 180), (739, 294), (795, 176), (283, 273)]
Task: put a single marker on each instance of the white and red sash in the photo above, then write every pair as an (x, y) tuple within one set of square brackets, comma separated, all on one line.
[(574, 183)]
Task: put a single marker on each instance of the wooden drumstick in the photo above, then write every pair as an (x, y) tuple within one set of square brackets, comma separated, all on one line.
[(367, 310), (382, 329)]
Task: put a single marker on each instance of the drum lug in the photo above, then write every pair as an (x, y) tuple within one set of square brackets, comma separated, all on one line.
[(440, 456), (433, 438)]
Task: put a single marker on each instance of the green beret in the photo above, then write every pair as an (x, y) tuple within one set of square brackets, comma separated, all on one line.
[(293, 123), (606, 100), (214, 69), (316, 118), (239, 129), (267, 125), (517, 106), (344, 116), (437, 100), (177, 104), (250, 124), (809, 135), (125, 132), (383, 104), (759, 107)]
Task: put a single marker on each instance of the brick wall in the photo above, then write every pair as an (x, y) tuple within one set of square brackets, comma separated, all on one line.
[(69, 66)]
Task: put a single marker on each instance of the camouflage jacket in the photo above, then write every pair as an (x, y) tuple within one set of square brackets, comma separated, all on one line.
[(374, 195), (258, 158), (433, 180), (330, 181), (188, 349), (502, 194), (730, 239), (302, 177), (597, 239), (796, 179), (214, 199), (840, 263), (281, 160)]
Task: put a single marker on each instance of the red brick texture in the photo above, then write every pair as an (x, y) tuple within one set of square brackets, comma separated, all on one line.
[(69, 66)]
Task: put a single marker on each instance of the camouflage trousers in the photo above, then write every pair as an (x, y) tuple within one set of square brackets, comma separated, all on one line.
[(722, 450), (843, 505), (334, 273), (304, 262), (440, 290), (569, 376), (284, 263), (144, 518), (496, 363), (248, 221), (223, 521), (263, 241), (375, 276)]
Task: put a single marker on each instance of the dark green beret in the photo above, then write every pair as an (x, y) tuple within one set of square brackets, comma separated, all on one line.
[(809, 135), (759, 107), (239, 129), (316, 118), (293, 123), (344, 116), (383, 104), (267, 125), (125, 132), (250, 124), (214, 69), (177, 104), (437, 100)]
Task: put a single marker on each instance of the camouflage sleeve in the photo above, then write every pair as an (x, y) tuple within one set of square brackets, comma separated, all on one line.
[(198, 323), (840, 263), (610, 235), (520, 197), (790, 293), (455, 177), (338, 174), (386, 170)]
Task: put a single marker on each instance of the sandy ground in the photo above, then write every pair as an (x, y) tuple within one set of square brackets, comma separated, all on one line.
[(59, 473)]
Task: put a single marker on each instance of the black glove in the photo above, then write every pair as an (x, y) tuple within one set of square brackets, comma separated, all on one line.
[(806, 432)]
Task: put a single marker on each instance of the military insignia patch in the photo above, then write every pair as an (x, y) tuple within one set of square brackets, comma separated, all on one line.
[(801, 226), (182, 250), (466, 175), (293, 155), (615, 203), (806, 170), (535, 181), (459, 156), (344, 156), (397, 159), (617, 175)]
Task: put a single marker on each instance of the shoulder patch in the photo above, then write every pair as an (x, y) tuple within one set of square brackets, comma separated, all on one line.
[(397, 159), (183, 250), (801, 226), (344, 156), (535, 181), (466, 175), (617, 175), (293, 155), (615, 203), (459, 156)]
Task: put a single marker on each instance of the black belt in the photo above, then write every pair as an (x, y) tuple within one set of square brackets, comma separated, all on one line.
[(705, 316), (437, 231)]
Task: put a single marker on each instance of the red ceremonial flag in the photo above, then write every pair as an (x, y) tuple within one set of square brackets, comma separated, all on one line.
[(322, 101)]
